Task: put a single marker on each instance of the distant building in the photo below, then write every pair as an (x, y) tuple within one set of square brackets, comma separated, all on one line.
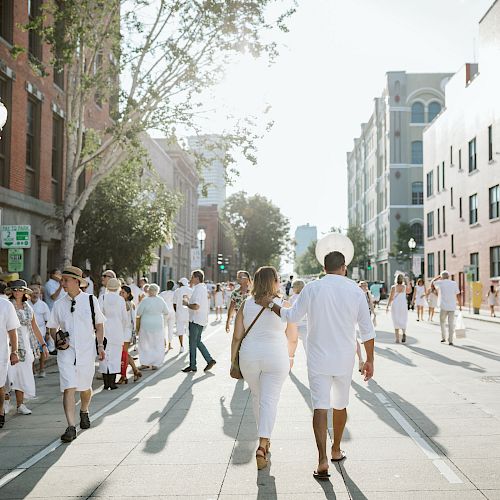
[(304, 236), (385, 180), (462, 168), (214, 173)]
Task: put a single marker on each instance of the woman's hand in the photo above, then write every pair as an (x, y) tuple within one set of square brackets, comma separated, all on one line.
[(228, 327), (45, 350)]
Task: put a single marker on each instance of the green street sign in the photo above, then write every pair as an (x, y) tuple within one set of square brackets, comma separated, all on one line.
[(15, 260), (17, 236)]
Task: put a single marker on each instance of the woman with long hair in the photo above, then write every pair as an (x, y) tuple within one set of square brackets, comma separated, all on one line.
[(240, 293), (126, 293), (399, 309), (266, 354), (28, 337), (218, 302), (432, 300), (419, 294), (492, 300)]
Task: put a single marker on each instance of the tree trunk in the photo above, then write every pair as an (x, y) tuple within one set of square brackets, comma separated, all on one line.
[(67, 241)]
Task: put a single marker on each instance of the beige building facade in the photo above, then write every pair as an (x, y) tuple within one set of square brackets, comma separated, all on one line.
[(462, 168)]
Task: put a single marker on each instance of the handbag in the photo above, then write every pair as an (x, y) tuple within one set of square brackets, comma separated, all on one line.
[(235, 371)]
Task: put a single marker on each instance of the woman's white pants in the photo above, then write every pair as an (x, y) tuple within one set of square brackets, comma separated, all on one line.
[(265, 378)]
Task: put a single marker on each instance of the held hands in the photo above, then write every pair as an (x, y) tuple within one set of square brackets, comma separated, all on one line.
[(14, 358), (367, 370)]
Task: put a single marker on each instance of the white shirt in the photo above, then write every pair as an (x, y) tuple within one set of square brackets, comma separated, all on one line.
[(334, 306), (79, 325), (50, 288), (8, 321), (136, 292), (90, 287), (182, 312), (448, 290), (168, 297), (114, 308), (42, 314), (200, 297)]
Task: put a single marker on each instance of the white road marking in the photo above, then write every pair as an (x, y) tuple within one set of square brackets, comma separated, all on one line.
[(437, 459), (55, 444)]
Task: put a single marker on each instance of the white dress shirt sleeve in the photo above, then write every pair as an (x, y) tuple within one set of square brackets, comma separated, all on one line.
[(297, 312), (365, 325)]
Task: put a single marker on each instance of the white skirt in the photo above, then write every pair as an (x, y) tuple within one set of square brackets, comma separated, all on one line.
[(151, 347), (399, 312), (112, 363), (21, 376)]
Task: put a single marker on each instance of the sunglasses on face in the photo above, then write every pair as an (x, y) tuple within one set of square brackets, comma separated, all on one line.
[(17, 290), (73, 304)]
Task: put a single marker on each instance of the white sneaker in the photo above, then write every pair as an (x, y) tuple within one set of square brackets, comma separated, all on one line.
[(181, 349), (23, 410), (42, 374)]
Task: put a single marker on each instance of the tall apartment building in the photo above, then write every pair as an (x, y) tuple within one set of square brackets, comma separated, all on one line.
[(32, 141), (304, 236), (462, 168), (385, 173)]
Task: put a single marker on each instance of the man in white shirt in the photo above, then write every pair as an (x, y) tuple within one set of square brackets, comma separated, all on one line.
[(9, 322), (181, 311), (42, 315), (334, 305), (449, 297), (90, 286), (136, 291), (198, 319), (105, 277), (168, 296), (53, 288), (76, 358)]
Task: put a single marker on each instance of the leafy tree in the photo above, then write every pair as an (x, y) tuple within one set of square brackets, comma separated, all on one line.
[(165, 52), (400, 248), (260, 230), (127, 216), (307, 263), (361, 246)]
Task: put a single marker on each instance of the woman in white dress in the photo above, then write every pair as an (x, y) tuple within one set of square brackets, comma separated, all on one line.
[(114, 309), (491, 297), (432, 300), (399, 309), (266, 354), (218, 302), (168, 296), (297, 287), (419, 294), (21, 375), (126, 293), (151, 315)]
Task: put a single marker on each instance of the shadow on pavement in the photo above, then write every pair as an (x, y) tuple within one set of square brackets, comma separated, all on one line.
[(266, 484), (480, 351), (440, 358), (243, 448), (393, 355), (354, 492), (385, 337)]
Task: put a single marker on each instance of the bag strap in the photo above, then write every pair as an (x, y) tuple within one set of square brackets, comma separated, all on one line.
[(92, 310), (253, 322)]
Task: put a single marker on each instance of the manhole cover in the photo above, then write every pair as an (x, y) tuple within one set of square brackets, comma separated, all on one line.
[(494, 379)]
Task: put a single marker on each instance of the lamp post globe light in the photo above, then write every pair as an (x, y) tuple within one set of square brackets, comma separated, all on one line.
[(202, 236), (412, 244), (3, 115)]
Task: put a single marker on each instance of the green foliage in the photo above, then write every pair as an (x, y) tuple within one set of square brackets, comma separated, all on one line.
[(307, 263), (260, 230), (127, 216), (361, 245), (400, 248)]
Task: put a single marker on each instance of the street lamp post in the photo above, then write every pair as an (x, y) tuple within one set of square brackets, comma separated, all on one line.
[(3, 115), (412, 244), (202, 235)]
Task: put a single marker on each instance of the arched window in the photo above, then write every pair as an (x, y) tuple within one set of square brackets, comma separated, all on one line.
[(417, 193), (417, 113), (417, 231), (434, 110), (417, 153)]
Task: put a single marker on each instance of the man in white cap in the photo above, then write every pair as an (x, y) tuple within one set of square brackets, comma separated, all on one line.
[(334, 305), (105, 277), (449, 297), (75, 321), (136, 291), (181, 311)]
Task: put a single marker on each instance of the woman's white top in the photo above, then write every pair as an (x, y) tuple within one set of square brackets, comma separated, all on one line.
[(420, 295), (115, 311), (267, 337), (492, 298), (218, 299)]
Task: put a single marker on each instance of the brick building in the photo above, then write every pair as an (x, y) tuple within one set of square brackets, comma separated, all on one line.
[(32, 143)]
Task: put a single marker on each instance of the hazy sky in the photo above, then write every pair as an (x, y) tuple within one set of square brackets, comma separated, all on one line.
[(322, 88)]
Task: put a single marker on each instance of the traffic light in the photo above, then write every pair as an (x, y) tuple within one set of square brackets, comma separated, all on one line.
[(226, 261), (369, 266), (220, 261)]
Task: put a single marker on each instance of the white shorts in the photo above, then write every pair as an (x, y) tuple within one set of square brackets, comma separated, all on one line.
[(77, 377), (329, 391), (4, 368)]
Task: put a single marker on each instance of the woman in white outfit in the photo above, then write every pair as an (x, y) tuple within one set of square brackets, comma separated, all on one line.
[(115, 310), (128, 297), (266, 354), (181, 311), (151, 315), (432, 300), (297, 287), (399, 309), (419, 295), (218, 302), (492, 300), (168, 296), (21, 374)]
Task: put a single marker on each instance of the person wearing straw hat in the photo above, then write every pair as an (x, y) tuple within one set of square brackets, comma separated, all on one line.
[(77, 326), (115, 311), (334, 305)]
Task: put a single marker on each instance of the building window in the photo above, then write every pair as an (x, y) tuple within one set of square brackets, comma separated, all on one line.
[(417, 232), (417, 193), (460, 207), (438, 179), (439, 221), (494, 197), (452, 244), (417, 113), (451, 197), (490, 143), (474, 261), (417, 153), (57, 157), (442, 176), (430, 265), (34, 39), (473, 209), (434, 110), (444, 259), (459, 159), (472, 155), (6, 19), (443, 214), (430, 224), (32, 147), (439, 263), (430, 183), (451, 155), (494, 261), (5, 97)]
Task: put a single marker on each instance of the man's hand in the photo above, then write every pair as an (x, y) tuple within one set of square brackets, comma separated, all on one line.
[(367, 370), (62, 345), (14, 358), (228, 327), (101, 353)]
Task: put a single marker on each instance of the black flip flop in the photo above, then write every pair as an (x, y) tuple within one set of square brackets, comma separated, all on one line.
[(339, 459), (321, 476)]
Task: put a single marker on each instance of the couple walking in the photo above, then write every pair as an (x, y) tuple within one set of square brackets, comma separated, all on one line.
[(334, 306)]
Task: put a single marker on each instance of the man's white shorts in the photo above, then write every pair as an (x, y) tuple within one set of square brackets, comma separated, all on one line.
[(77, 377), (329, 391)]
